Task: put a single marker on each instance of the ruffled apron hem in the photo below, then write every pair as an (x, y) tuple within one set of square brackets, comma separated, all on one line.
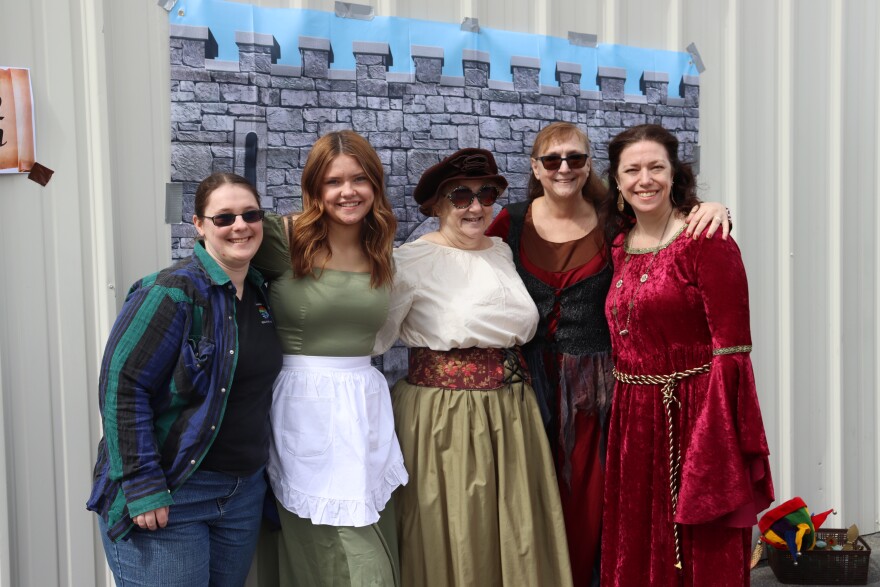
[(338, 511)]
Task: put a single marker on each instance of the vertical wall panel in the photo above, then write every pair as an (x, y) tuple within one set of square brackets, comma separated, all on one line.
[(25, 267), (783, 241), (5, 529), (644, 24), (85, 561), (875, 265), (136, 36), (44, 314), (834, 156), (859, 194), (705, 25), (757, 216), (817, 397)]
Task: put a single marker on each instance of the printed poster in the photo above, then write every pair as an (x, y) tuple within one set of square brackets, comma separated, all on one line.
[(17, 134)]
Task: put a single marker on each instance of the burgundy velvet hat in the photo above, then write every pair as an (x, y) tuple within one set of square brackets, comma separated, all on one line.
[(463, 164)]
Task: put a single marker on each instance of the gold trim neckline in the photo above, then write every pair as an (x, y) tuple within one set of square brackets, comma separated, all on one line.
[(657, 249)]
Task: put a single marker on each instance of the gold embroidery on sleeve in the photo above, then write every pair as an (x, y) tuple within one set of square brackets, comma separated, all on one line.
[(746, 348)]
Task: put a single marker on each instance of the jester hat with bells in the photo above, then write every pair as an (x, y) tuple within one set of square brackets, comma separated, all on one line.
[(790, 525)]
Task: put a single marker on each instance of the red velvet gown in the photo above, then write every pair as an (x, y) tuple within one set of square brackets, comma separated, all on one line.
[(692, 310)]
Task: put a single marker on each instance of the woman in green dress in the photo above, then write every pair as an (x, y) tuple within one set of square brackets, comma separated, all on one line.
[(334, 459)]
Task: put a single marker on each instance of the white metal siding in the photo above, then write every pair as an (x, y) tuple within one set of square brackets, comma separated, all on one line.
[(790, 139)]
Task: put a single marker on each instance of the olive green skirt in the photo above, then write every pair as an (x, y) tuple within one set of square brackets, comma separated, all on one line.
[(482, 504), (309, 555)]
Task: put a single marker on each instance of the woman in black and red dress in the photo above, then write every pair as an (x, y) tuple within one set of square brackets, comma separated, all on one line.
[(560, 253)]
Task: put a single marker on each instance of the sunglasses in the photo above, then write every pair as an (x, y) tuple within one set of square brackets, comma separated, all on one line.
[(462, 197), (228, 219), (554, 162)]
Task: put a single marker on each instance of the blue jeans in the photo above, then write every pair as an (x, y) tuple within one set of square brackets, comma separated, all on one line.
[(210, 538)]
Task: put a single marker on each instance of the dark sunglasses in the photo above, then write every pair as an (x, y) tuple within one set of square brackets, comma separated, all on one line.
[(462, 197), (228, 219), (554, 162)]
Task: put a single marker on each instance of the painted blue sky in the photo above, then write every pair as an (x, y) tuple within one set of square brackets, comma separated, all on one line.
[(287, 25)]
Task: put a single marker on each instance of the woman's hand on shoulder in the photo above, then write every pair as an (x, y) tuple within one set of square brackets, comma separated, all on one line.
[(708, 217)]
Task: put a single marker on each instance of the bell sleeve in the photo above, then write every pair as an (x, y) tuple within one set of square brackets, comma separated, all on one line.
[(726, 471)]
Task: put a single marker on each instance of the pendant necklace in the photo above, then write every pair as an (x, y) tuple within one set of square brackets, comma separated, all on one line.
[(632, 300)]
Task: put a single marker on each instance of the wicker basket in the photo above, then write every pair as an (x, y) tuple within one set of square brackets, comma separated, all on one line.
[(823, 567)]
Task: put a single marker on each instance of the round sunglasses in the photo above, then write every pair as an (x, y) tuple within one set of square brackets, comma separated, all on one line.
[(228, 219), (462, 197), (554, 162)]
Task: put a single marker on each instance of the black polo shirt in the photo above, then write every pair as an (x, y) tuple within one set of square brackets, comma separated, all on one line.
[(242, 444)]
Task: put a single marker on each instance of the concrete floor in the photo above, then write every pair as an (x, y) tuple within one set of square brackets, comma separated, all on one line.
[(762, 575)]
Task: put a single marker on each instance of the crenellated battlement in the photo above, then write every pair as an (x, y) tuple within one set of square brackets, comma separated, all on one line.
[(260, 53), (259, 118)]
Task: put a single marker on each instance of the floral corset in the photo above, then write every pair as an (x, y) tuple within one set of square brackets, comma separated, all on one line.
[(471, 368)]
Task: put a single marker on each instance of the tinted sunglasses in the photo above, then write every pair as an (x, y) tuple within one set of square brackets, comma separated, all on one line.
[(462, 197), (228, 219), (554, 162)]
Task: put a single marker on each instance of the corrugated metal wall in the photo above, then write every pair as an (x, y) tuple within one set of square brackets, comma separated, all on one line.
[(790, 137)]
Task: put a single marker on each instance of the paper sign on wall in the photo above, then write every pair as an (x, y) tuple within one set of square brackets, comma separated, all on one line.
[(17, 136)]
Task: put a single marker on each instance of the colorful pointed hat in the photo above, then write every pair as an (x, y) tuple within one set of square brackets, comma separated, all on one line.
[(790, 525)]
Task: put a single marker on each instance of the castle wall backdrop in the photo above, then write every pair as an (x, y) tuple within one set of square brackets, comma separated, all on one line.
[(253, 88)]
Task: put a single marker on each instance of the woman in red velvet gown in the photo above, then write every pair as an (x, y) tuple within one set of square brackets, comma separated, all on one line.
[(559, 251), (687, 469)]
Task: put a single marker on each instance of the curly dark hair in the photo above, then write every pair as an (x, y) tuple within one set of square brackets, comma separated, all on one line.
[(684, 182)]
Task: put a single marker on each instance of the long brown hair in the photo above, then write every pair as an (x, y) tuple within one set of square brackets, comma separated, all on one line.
[(311, 233), (594, 190)]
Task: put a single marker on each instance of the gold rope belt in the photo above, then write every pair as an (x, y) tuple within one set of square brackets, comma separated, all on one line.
[(668, 383)]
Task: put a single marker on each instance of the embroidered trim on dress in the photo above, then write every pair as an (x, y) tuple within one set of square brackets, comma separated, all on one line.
[(745, 348), (656, 249)]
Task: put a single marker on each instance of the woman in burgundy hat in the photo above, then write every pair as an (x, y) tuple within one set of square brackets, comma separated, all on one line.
[(482, 506)]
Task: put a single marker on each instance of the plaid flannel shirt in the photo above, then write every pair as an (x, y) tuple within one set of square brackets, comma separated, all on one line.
[(165, 377)]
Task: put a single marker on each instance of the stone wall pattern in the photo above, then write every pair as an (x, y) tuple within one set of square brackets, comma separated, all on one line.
[(412, 119)]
